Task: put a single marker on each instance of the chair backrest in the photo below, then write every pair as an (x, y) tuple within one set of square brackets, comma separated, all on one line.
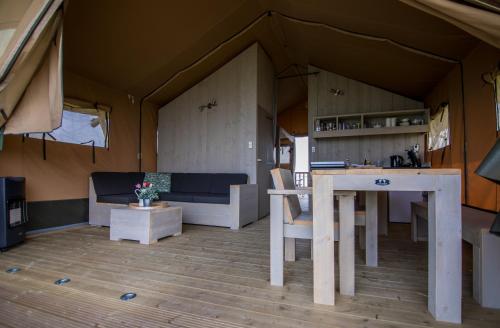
[(283, 180)]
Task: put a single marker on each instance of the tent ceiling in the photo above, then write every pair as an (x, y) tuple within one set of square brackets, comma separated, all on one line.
[(138, 45)]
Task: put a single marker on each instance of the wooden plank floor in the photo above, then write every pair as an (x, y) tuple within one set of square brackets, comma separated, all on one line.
[(210, 277)]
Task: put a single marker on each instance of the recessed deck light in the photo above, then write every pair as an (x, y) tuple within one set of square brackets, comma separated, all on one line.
[(13, 270), (128, 296), (62, 281)]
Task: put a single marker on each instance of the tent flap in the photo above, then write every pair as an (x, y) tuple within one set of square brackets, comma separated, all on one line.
[(40, 108), (31, 72)]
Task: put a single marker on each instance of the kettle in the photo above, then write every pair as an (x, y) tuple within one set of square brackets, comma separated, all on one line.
[(396, 161)]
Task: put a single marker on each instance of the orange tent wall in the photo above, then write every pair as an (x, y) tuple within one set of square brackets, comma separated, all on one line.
[(480, 124), (65, 173)]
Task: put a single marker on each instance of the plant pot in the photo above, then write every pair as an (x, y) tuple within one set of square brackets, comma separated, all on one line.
[(147, 202), (141, 202)]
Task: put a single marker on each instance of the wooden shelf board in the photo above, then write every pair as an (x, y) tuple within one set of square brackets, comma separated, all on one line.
[(371, 131)]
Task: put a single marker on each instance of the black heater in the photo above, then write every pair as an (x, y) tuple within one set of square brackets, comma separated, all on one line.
[(13, 212)]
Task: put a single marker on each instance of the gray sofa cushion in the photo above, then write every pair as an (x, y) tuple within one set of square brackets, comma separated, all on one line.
[(210, 198), (215, 183), (190, 182), (176, 196), (114, 183), (117, 199), (220, 182)]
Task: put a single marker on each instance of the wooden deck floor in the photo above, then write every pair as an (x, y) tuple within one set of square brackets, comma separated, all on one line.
[(209, 277)]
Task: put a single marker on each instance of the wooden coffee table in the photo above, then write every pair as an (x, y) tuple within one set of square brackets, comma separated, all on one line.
[(146, 225)]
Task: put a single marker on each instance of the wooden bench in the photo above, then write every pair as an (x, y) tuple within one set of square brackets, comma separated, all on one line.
[(486, 250)]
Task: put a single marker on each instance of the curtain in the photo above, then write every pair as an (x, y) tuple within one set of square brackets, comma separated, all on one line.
[(439, 129)]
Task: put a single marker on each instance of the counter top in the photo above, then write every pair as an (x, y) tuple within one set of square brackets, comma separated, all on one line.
[(381, 171)]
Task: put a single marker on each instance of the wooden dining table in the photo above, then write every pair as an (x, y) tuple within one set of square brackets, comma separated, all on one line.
[(444, 232)]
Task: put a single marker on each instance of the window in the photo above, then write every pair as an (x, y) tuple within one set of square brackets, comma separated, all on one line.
[(439, 129), (81, 126)]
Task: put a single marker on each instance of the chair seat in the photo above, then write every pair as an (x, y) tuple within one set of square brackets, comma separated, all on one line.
[(302, 227), (306, 218)]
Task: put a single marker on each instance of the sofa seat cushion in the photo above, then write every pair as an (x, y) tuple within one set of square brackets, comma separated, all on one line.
[(176, 196), (211, 198), (220, 182), (115, 183), (117, 199)]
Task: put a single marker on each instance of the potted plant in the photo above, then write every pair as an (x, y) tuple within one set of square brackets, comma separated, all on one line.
[(145, 193)]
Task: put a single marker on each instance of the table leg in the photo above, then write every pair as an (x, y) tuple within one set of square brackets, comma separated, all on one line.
[(383, 220), (277, 243), (323, 240), (445, 250), (346, 244), (290, 249), (371, 227), (414, 223)]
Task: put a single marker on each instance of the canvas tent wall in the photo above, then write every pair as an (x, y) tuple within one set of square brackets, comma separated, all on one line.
[(380, 51), (31, 66)]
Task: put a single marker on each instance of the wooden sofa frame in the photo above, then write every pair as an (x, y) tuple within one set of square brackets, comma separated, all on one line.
[(486, 247), (241, 210)]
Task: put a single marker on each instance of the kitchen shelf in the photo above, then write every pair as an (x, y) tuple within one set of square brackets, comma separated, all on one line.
[(369, 118)]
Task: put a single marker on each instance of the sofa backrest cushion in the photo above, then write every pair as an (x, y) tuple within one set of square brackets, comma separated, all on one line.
[(190, 182), (214, 183), (220, 182), (160, 181), (113, 183)]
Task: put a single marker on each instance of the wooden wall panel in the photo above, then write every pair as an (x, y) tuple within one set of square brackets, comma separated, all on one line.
[(65, 173), (358, 97), (213, 140)]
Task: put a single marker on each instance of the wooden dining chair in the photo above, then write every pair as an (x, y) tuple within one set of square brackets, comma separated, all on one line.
[(296, 224), (289, 222)]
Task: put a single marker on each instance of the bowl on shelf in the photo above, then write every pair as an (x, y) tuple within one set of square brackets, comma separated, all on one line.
[(404, 123), (417, 121)]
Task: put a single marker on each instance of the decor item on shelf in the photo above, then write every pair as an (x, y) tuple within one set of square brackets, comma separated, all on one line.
[(490, 169), (145, 194), (417, 121), (317, 126), (404, 121), (371, 123), (211, 103)]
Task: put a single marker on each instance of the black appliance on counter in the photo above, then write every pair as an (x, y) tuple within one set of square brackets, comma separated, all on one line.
[(13, 211), (397, 161)]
